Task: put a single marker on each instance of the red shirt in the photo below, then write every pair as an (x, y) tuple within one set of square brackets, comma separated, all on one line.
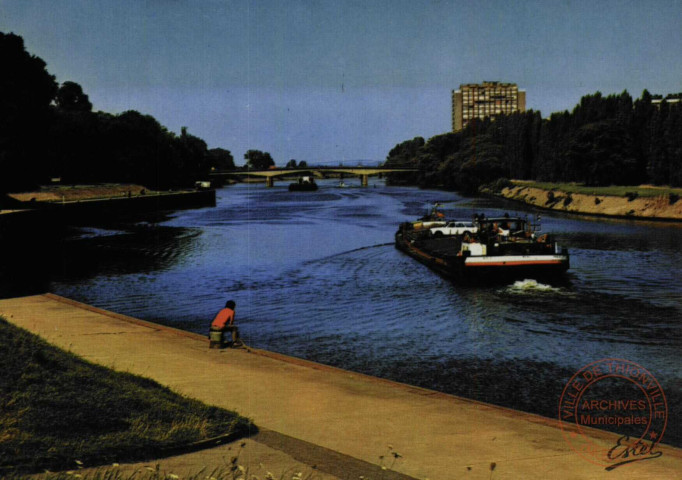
[(224, 317)]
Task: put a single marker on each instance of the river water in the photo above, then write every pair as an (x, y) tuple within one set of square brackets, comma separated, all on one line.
[(315, 275)]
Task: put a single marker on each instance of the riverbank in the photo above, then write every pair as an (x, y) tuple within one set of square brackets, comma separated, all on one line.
[(643, 202), (74, 193), (318, 412), (78, 202)]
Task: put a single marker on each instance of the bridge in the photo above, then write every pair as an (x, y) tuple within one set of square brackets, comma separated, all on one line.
[(363, 172)]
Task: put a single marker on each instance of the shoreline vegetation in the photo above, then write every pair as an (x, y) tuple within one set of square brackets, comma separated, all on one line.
[(644, 202), (58, 411), (52, 131), (603, 141)]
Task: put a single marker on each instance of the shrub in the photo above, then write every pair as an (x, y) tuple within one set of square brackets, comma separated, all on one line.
[(500, 184), (550, 198)]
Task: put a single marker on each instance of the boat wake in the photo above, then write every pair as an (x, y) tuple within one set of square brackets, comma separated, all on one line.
[(359, 249), (530, 286)]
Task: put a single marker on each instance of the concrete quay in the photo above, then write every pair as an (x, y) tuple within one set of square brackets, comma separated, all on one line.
[(49, 209), (312, 414)]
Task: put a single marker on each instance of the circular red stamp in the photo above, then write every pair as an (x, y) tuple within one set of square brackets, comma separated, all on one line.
[(622, 397)]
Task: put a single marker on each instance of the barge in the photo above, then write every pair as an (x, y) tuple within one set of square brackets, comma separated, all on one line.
[(304, 184), (501, 249)]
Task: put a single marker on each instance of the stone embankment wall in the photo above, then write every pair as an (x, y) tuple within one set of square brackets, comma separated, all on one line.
[(47, 214), (662, 207), (144, 202)]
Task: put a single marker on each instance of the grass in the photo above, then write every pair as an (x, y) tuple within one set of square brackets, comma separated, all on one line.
[(58, 411), (233, 469), (613, 191)]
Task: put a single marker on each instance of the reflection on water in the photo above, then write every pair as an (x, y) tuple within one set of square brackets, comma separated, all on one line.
[(316, 275), (146, 248)]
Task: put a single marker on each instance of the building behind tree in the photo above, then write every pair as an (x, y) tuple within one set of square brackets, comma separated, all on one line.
[(489, 99), (670, 99)]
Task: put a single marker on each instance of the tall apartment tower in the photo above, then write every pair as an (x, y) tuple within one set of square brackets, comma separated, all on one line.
[(488, 99)]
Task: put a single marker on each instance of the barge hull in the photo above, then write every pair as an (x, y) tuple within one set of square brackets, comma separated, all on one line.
[(486, 268)]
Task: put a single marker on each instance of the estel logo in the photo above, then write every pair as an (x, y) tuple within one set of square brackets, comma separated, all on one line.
[(616, 395)]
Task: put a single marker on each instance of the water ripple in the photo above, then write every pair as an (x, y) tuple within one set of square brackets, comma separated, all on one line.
[(317, 276)]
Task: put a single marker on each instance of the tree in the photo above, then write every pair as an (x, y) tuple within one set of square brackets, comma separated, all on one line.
[(674, 134), (194, 160), (70, 97), (49, 130), (658, 163), (26, 91), (604, 140), (75, 150), (291, 163), (302, 164), (220, 159), (640, 127), (257, 160), (601, 154), (131, 147), (404, 154)]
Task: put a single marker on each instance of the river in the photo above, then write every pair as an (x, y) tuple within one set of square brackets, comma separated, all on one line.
[(315, 275)]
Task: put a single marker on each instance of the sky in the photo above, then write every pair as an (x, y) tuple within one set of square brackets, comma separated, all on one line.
[(329, 81)]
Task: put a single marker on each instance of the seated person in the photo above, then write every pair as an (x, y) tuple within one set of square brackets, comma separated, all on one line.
[(224, 321)]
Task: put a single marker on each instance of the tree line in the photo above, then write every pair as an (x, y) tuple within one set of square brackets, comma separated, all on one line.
[(49, 130), (605, 140)]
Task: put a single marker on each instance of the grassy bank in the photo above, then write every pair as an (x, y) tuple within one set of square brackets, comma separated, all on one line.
[(642, 202), (611, 191), (72, 193), (58, 411)]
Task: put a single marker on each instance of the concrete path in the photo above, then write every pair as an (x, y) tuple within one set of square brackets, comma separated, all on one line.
[(315, 413)]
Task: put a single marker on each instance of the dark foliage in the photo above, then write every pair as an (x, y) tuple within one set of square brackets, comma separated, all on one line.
[(87, 147), (257, 160), (26, 90), (220, 159), (603, 141), (70, 97), (49, 131), (402, 155)]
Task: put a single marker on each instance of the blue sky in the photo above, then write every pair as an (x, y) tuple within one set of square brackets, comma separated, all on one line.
[(334, 80)]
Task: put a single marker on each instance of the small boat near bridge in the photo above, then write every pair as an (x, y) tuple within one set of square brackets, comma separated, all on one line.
[(304, 184)]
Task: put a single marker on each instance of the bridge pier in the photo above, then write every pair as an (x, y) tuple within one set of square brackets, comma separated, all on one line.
[(365, 180), (269, 182)]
